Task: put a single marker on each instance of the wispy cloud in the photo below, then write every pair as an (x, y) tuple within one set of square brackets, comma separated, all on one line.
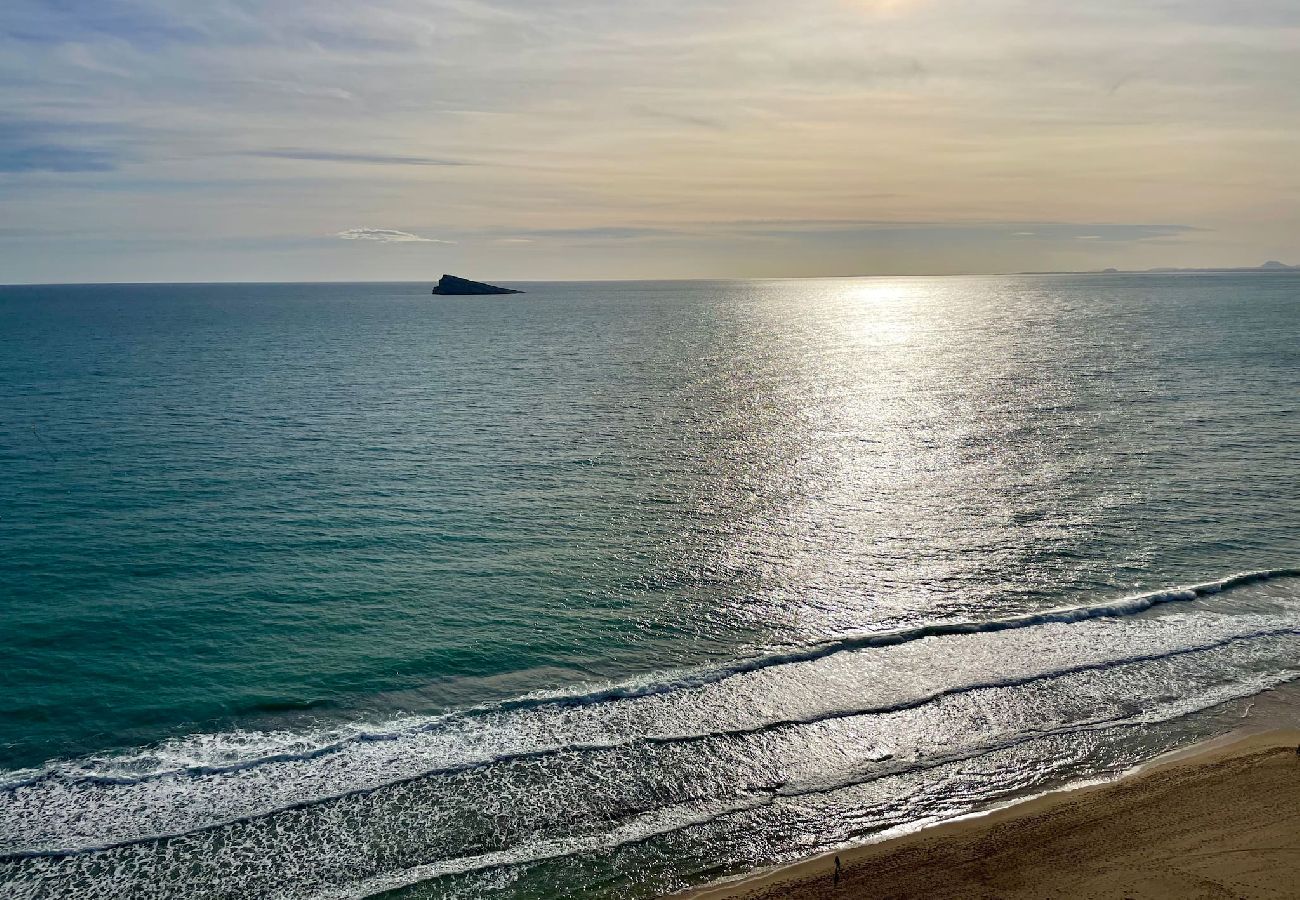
[(673, 138), (606, 233), (697, 121), (373, 159), (54, 158), (27, 146), (864, 230), (387, 236), (1089, 231)]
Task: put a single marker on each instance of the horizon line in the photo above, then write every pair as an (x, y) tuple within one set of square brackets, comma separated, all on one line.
[(1292, 270)]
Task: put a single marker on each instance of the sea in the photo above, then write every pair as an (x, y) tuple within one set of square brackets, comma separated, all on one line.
[(608, 590)]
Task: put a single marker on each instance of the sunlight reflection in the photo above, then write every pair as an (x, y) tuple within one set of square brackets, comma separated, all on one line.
[(885, 451)]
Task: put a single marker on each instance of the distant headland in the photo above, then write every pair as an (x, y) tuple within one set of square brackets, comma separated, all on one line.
[(450, 284), (1271, 267)]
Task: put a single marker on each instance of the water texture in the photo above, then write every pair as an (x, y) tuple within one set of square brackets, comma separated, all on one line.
[(603, 590)]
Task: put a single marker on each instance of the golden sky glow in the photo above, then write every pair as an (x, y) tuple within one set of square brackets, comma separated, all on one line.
[(585, 139)]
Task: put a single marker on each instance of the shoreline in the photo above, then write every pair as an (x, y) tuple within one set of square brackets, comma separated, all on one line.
[(1216, 816)]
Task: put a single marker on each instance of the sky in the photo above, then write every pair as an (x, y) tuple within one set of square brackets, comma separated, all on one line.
[(261, 140)]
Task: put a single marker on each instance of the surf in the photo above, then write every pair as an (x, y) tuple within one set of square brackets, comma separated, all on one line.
[(374, 759), (638, 688)]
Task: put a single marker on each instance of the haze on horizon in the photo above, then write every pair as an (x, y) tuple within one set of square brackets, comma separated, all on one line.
[(504, 139)]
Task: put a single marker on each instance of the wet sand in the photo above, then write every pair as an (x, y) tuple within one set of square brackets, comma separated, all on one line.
[(1219, 821)]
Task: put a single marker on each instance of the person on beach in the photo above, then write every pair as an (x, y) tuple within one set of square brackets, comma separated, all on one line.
[(837, 859)]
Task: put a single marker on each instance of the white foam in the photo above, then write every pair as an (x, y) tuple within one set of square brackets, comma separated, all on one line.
[(202, 755)]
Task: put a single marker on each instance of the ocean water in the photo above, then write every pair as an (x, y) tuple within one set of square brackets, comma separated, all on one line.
[(605, 590)]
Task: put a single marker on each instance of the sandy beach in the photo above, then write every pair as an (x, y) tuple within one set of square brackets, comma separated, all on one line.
[(1220, 820)]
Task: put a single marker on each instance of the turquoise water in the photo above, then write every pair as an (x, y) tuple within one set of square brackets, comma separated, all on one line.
[(326, 590)]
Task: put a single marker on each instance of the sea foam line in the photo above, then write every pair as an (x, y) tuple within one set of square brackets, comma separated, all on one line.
[(655, 740), (1124, 606), (629, 834), (689, 679)]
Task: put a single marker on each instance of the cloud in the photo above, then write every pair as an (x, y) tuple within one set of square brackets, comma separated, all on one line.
[(27, 146), (54, 158), (605, 233), (375, 159), (77, 20), (696, 121), (885, 7), (866, 228), (862, 231), (676, 138), (386, 236)]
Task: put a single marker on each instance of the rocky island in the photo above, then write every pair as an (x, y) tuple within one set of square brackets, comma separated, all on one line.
[(450, 284)]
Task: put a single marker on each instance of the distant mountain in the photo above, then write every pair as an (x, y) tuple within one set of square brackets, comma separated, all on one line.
[(1272, 266)]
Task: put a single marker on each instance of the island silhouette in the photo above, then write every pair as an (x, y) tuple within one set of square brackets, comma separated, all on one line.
[(451, 284)]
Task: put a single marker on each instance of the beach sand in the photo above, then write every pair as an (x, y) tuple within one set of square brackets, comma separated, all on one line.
[(1221, 820)]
